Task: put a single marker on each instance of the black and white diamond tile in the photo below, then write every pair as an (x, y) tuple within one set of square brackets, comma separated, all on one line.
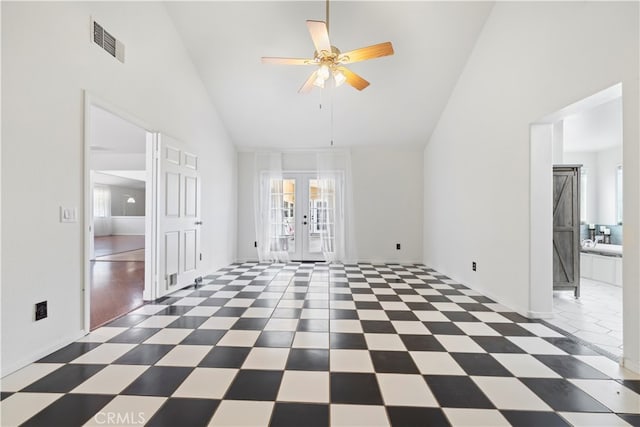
[(317, 344)]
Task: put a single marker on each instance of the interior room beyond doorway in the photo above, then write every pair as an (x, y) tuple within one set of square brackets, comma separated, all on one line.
[(591, 139), (118, 186)]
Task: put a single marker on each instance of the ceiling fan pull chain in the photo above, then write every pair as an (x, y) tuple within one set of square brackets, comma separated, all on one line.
[(331, 112)]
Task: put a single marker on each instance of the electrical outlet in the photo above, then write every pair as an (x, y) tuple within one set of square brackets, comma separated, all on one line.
[(41, 310), (398, 246), (473, 266)]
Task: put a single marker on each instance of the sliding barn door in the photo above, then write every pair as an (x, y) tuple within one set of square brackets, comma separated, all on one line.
[(566, 228), (179, 221)]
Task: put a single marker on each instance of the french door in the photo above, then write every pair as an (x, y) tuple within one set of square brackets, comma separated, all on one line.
[(306, 217)]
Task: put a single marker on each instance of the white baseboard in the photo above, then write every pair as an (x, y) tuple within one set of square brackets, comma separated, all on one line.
[(508, 304), (630, 365), (19, 364), (540, 314), (362, 261)]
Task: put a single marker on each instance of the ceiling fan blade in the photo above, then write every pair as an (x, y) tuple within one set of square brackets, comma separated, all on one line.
[(319, 35), (308, 85), (364, 53), (353, 79), (287, 61)]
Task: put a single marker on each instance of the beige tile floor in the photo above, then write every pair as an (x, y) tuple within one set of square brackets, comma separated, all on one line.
[(595, 317)]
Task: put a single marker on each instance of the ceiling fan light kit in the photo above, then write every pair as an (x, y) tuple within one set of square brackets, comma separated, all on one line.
[(325, 72), (330, 61)]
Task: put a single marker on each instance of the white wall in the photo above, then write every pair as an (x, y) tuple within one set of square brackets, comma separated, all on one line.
[(387, 188), (127, 225), (558, 143), (594, 137), (101, 161), (608, 162), (589, 161), (596, 129), (43, 78), (601, 182), (246, 218), (388, 193), (530, 60), (119, 196)]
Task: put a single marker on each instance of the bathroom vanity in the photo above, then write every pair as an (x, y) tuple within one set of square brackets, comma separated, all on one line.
[(602, 263)]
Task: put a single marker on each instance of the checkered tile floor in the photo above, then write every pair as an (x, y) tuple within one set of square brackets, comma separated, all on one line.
[(312, 344)]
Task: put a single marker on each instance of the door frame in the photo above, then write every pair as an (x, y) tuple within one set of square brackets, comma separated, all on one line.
[(90, 100), (541, 201)]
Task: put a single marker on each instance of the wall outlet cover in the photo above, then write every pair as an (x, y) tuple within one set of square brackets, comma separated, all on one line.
[(41, 310)]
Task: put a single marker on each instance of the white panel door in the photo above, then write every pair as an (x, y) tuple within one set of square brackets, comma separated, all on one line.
[(178, 216)]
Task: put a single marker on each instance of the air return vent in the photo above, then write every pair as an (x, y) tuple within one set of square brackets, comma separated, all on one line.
[(105, 40)]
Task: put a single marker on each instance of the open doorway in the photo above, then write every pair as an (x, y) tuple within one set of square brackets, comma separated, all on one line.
[(592, 138), (119, 214), (586, 137)]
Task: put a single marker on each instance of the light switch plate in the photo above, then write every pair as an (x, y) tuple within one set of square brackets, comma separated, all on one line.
[(68, 214)]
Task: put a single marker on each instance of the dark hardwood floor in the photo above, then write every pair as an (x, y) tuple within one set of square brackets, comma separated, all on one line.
[(106, 245), (116, 286)]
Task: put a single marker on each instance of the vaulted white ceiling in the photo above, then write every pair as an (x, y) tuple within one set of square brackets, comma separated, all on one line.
[(259, 103)]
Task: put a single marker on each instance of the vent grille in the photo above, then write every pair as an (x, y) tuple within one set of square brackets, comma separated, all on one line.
[(110, 44), (98, 34)]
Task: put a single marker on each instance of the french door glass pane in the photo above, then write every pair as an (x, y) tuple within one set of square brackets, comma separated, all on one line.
[(282, 211), (321, 215), (288, 214)]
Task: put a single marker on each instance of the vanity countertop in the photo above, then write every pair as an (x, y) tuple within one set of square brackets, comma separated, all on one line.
[(603, 249)]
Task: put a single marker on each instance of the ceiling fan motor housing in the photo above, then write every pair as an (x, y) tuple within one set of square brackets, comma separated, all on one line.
[(326, 56)]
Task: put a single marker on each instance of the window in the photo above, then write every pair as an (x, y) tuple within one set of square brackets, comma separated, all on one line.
[(101, 202), (619, 194), (583, 195)]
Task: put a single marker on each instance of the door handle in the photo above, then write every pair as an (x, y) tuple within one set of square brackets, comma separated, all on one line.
[(198, 222)]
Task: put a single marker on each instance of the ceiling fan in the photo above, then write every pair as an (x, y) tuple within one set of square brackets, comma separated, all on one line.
[(330, 61)]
